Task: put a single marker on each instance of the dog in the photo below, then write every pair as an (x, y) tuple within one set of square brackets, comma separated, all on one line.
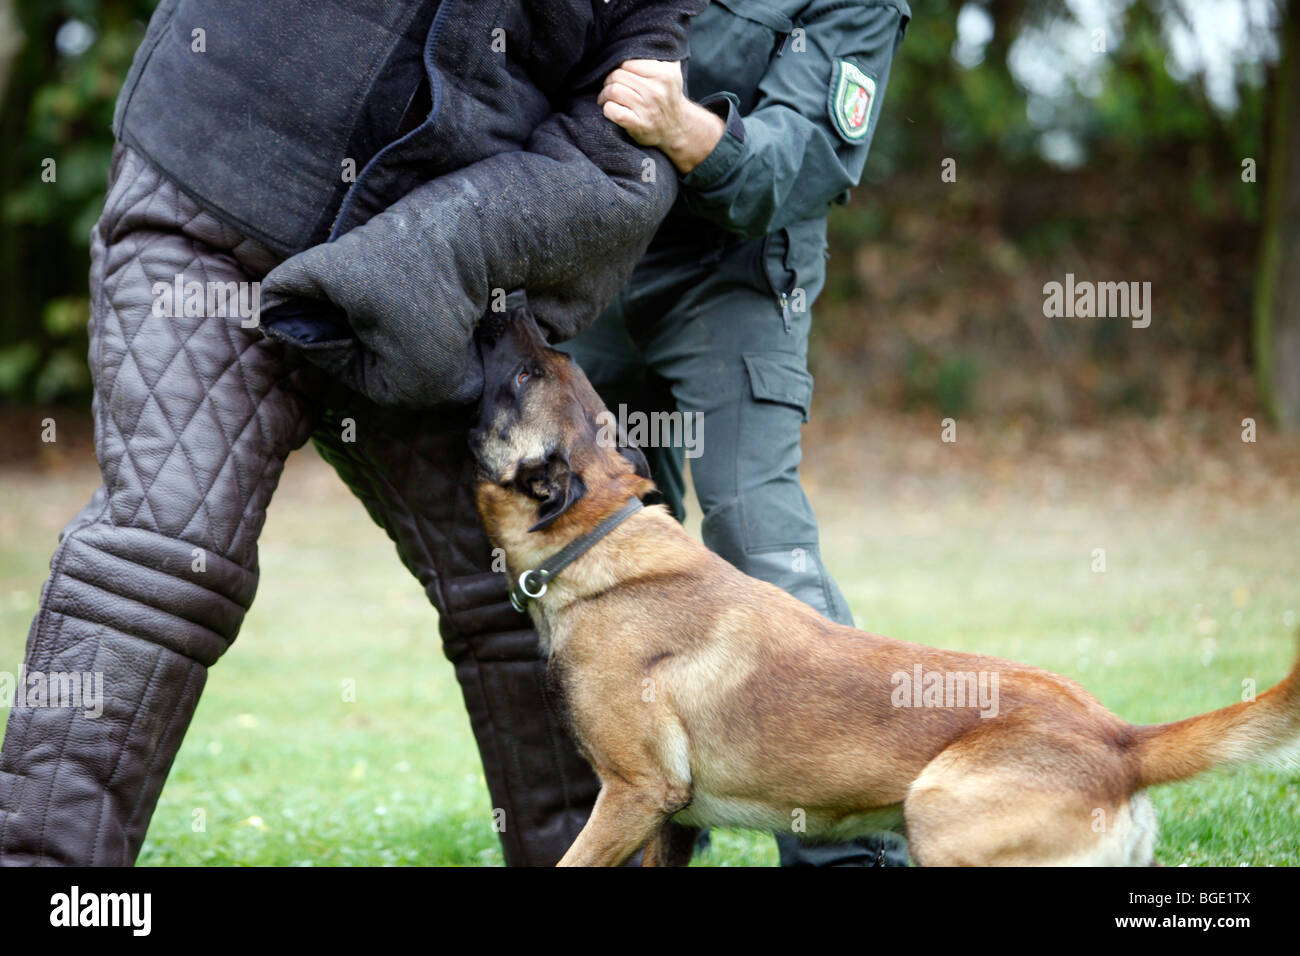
[(704, 697)]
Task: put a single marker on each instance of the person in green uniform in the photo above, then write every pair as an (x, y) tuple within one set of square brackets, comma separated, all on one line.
[(769, 127)]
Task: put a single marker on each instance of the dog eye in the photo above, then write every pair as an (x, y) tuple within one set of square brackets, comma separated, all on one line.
[(522, 377)]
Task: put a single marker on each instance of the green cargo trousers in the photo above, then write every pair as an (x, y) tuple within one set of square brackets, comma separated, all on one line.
[(706, 362)]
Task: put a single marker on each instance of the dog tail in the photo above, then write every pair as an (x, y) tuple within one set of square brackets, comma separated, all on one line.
[(1263, 731)]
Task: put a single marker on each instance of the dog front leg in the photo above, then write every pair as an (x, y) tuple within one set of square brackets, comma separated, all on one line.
[(621, 822)]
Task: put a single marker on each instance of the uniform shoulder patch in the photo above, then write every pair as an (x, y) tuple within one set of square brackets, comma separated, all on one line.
[(852, 95)]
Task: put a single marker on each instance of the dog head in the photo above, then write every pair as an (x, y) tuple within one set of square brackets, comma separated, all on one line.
[(544, 442)]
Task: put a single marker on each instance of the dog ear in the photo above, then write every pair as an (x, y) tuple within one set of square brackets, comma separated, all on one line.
[(637, 458), (524, 316), (557, 487)]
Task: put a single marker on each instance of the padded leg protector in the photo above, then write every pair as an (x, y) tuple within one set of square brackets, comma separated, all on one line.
[(194, 416), (127, 616)]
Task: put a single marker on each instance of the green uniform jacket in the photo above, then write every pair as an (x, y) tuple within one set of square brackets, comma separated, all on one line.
[(800, 84)]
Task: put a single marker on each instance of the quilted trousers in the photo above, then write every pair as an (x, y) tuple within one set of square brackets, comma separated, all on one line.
[(194, 418)]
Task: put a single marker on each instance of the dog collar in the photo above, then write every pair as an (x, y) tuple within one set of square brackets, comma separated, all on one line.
[(532, 583)]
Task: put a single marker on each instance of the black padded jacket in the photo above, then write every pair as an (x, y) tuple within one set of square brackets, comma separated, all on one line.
[(415, 161)]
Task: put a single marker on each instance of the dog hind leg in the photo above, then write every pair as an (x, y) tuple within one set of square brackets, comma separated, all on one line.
[(963, 811)]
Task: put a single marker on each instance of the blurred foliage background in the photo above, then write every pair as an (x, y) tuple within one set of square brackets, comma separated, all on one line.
[(1150, 140), (61, 65), (1107, 138)]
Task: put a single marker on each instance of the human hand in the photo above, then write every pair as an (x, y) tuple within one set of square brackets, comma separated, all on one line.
[(647, 98)]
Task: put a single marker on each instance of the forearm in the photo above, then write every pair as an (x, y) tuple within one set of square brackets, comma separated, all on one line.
[(696, 137)]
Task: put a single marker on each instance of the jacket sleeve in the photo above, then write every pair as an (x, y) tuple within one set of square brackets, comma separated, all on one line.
[(790, 157), (409, 285), (565, 219)]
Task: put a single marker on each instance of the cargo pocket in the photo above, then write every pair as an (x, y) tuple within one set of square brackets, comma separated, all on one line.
[(769, 15), (782, 378), (778, 24), (732, 46), (773, 511)]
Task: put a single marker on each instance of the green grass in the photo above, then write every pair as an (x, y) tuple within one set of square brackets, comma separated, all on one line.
[(288, 773)]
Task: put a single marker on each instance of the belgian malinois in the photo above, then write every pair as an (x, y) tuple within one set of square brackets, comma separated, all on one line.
[(703, 697)]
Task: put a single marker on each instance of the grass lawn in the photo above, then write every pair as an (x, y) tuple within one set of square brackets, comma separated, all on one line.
[(1200, 593)]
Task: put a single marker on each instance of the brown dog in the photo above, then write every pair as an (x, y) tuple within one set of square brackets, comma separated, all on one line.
[(703, 697)]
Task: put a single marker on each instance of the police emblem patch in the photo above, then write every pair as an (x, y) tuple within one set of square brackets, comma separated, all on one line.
[(852, 96)]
